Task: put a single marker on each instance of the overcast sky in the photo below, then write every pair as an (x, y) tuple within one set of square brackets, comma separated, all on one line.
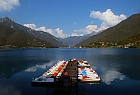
[(64, 18)]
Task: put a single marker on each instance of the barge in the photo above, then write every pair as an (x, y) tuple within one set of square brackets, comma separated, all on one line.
[(67, 74), (86, 74), (52, 76)]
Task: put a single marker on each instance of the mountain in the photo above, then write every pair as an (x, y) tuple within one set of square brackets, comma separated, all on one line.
[(127, 29), (73, 40), (10, 38), (37, 34)]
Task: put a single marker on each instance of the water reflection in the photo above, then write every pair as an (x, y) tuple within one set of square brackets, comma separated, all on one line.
[(10, 67), (9, 90), (109, 76), (42, 66), (119, 69)]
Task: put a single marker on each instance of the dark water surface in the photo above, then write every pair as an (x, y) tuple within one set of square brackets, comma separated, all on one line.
[(119, 69)]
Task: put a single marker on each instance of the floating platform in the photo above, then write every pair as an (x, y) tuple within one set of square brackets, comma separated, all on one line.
[(86, 74), (51, 78), (67, 74)]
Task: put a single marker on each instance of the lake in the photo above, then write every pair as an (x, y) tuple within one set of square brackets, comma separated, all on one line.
[(119, 69)]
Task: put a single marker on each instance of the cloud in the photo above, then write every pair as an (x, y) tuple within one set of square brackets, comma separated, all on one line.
[(107, 17), (56, 32), (102, 27), (59, 33), (32, 26), (90, 28), (75, 34), (87, 30), (8, 5)]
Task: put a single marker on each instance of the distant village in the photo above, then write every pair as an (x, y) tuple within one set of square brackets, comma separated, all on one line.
[(112, 45)]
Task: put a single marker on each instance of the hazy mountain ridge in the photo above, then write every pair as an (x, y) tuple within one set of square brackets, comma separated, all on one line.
[(73, 40), (119, 33)]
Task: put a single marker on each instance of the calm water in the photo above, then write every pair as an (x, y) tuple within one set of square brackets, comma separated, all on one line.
[(119, 69)]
